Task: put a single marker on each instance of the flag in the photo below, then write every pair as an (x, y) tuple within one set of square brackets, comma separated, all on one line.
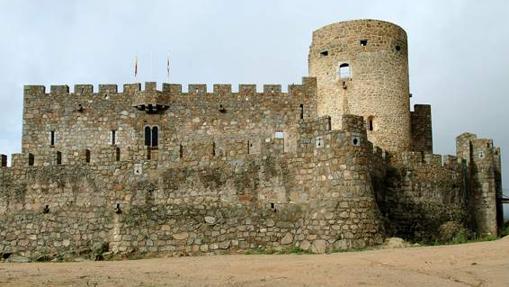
[(135, 67), (168, 67)]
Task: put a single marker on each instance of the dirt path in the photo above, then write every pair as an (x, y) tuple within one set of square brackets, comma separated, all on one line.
[(475, 264)]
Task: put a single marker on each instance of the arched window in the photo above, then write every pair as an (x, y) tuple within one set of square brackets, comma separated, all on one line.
[(155, 136), (152, 136), (148, 136), (344, 71)]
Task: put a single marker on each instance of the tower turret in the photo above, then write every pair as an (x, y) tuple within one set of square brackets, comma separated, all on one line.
[(361, 68)]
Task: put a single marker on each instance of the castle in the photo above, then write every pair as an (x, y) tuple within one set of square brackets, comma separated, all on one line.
[(337, 162)]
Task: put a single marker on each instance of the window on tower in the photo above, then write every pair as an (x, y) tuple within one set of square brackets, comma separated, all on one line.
[(344, 71), (371, 125)]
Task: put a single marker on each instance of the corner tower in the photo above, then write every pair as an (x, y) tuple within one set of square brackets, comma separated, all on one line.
[(361, 68)]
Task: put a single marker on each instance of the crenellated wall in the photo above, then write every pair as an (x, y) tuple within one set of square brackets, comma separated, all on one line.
[(85, 120)]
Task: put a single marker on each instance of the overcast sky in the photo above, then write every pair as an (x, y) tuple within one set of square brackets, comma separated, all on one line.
[(458, 51)]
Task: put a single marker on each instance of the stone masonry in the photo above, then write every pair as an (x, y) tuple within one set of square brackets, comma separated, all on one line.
[(336, 162)]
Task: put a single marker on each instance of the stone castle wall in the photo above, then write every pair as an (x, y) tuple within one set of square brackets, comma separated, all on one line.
[(423, 191), (318, 198), (422, 132), (219, 116), (377, 87), (482, 162)]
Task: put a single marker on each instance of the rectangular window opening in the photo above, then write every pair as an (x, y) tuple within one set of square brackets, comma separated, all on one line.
[(113, 137), (52, 138), (364, 43), (87, 156), (31, 159), (117, 154), (4, 160), (324, 53)]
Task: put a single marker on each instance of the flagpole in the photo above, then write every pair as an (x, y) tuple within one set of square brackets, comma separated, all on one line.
[(168, 67), (135, 67)]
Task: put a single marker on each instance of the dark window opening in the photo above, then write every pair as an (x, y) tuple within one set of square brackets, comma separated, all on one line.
[(398, 48), (59, 158), (117, 154), (117, 209), (151, 137), (364, 43), (213, 149), (4, 160), (344, 71), (324, 53), (31, 159), (301, 111), (52, 138), (148, 136), (329, 124), (87, 156), (222, 109), (271, 205), (155, 136), (113, 137), (371, 126), (45, 209), (181, 151)]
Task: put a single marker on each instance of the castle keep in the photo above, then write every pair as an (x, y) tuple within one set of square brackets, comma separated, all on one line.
[(339, 161)]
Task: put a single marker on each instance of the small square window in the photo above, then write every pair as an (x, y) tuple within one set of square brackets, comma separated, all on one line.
[(356, 141), (319, 142), (364, 43)]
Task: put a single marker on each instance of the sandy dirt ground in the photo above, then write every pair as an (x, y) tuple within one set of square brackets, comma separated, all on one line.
[(474, 264)]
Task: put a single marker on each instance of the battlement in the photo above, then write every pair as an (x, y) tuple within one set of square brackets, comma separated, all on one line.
[(308, 86), (422, 159)]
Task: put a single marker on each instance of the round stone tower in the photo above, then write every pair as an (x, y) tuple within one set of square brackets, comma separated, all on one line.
[(361, 68)]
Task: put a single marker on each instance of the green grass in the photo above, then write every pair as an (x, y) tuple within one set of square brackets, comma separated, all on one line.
[(268, 251)]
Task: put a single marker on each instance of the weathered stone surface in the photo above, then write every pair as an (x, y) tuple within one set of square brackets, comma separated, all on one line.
[(287, 239), (181, 236), (319, 246), (210, 219), (395, 242), (18, 259)]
